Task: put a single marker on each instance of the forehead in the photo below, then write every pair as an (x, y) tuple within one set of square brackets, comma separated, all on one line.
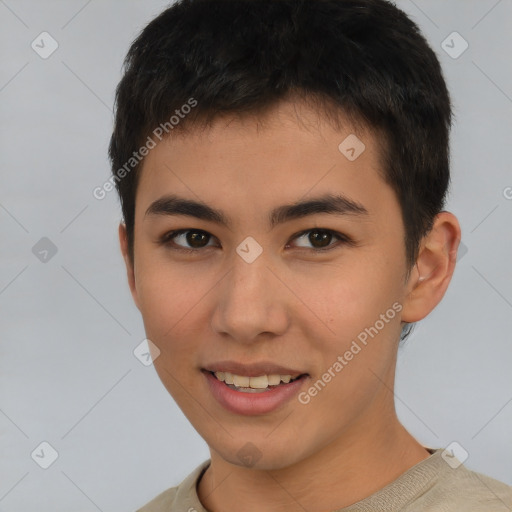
[(258, 161)]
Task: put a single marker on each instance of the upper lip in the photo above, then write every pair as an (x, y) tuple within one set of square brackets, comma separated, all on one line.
[(252, 369)]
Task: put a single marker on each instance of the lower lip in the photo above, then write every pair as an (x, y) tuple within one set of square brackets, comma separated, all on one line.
[(251, 404)]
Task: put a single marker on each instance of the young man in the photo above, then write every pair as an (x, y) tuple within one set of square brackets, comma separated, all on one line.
[(282, 168)]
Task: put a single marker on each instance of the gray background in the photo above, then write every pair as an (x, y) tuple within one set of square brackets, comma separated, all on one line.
[(69, 327)]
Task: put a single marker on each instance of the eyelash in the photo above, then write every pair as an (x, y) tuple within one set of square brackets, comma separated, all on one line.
[(167, 238)]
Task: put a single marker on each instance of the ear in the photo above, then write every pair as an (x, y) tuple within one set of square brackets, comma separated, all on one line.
[(130, 271), (434, 268)]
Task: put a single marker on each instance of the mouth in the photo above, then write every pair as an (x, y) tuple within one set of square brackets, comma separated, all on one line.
[(259, 393), (257, 384)]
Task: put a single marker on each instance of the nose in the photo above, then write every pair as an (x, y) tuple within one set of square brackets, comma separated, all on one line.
[(252, 302)]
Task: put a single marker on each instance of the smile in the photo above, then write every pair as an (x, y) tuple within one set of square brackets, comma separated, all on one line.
[(258, 384), (253, 395)]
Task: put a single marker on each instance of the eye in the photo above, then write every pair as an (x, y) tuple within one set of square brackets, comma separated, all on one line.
[(198, 239), (321, 239)]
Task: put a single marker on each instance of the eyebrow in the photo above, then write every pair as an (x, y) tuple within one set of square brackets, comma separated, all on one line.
[(334, 204)]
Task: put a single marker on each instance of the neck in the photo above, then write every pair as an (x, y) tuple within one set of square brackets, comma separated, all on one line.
[(365, 458)]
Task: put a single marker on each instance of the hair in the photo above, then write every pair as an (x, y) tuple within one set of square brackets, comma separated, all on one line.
[(361, 60)]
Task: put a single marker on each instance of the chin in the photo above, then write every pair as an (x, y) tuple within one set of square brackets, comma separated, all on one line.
[(262, 456)]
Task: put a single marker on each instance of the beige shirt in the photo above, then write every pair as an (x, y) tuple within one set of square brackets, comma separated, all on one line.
[(432, 485)]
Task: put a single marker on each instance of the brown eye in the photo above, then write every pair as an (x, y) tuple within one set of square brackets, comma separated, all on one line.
[(194, 240), (187, 239), (197, 239), (320, 239)]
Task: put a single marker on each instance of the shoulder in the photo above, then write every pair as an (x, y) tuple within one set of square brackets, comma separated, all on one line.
[(162, 502), (459, 488), (439, 484), (475, 491), (182, 498)]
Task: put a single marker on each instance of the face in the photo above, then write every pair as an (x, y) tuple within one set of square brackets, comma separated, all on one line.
[(277, 289)]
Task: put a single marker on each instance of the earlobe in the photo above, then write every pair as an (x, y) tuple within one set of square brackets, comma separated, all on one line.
[(130, 271), (434, 268)]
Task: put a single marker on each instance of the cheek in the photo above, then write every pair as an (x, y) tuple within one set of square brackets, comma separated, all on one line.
[(359, 354), (362, 309), (353, 296), (169, 303), (167, 297)]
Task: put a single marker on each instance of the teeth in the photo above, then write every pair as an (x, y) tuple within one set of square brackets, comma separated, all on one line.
[(241, 382), (260, 382), (274, 380)]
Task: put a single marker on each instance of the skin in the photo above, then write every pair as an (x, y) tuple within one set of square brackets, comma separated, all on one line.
[(290, 306)]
